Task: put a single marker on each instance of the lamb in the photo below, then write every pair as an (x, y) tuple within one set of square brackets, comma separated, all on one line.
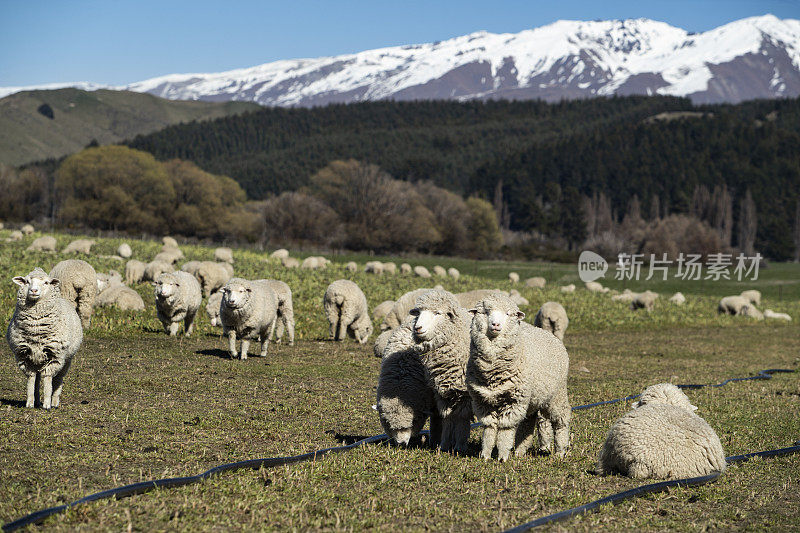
[(223, 255), (453, 273), (439, 271), (154, 269), (169, 241), (422, 272), (552, 317), (440, 329), (78, 285), (212, 308), (83, 246), (405, 268), (390, 268), (121, 297), (347, 311), (285, 310), (568, 288), (27, 229), (644, 300), (178, 298), (738, 305), (248, 310), (678, 298), (44, 334), (517, 378), (769, 313), (661, 437), (212, 276), (46, 243), (373, 267), (280, 253), (513, 277), (134, 271), (124, 250), (351, 266), (535, 283), (753, 296), (405, 398), (399, 311)]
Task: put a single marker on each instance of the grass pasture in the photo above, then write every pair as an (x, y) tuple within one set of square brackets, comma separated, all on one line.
[(138, 405)]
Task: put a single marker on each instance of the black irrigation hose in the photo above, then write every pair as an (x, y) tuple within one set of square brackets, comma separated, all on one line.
[(146, 486)]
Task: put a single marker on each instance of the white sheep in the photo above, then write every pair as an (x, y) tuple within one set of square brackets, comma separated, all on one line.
[(381, 341), (753, 296), (280, 253), (518, 298), (178, 297), (290, 262), (14, 236), (399, 311), (389, 268), (351, 266), (661, 437), (169, 241), (536, 282), (568, 288), (769, 313), (223, 255), (45, 243), (405, 268), (439, 271), (678, 298), (83, 246), (285, 310), (470, 299), (106, 280), (78, 285), (314, 263), (513, 277), (134, 271), (421, 271), (191, 267), (169, 256), (153, 269), (373, 267), (212, 276), (27, 229), (173, 250), (594, 286), (626, 296), (248, 311), (552, 317), (380, 311), (124, 250), (347, 311), (121, 297), (44, 334), (738, 305), (644, 300), (453, 273), (212, 308)]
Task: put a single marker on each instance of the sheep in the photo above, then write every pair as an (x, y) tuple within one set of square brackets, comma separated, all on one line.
[(111, 279), (290, 262), (769, 313), (14, 236), (399, 311), (280, 253), (223, 255), (121, 297), (535, 283), (373, 267), (347, 311), (44, 335), (172, 250), (678, 298), (227, 267), (170, 256), (390, 268), (422, 272), (212, 308), (248, 311), (627, 296), (594, 286), (27, 229), (83, 246), (191, 267), (169, 241), (644, 300), (212, 276), (513, 277), (285, 310), (351, 266), (439, 271), (518, 298), (178, 298), (517, 378), (381, 342), (405, 399), (470, 299), (78, 285), (380, 311), (552, 317), (738, 305), (453, 273), (314, 263), (440, 328), (124, 250), (568, 288), (661, 437), (405, 268), (46, 243), (134, 271), (154, 269), (753, 296)]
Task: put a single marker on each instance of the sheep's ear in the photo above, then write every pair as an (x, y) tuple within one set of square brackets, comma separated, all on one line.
[(248, 289), (414, 312), (19, 280), (520, 315)]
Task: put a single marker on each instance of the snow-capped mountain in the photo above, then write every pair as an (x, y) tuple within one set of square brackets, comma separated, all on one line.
[(757, 57)]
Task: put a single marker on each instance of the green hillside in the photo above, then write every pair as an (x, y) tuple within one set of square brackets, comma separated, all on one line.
[(28, 133)]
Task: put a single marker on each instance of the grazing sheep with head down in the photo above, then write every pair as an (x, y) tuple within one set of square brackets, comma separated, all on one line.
[(552, 317), (248, 311), (568, 288), (212, 308), (351, 267), (439, 271), (405, 268), (134, 271), (178, 298), (373, 267), (644, 300), (78, 285), (380, 311), (212, 276), (421, 271), (453, 273), (27, 229), (169, 241), (170, 256), (661, 437), (280, 253), (46, 243), (290, 262), (535, 282), (470, 299), (513, 277), (44, 334), (390, 268), (739, 305), (15, 235), (83, 246), (517, 378), (285, 311), (347, 311)]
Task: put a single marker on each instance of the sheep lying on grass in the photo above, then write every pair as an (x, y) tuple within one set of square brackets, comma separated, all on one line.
[(552, 317), (517, 378), (44, 334), (248, 311), (78, 285), (739, 305), (178, 298), (347, 311), (661, 438)]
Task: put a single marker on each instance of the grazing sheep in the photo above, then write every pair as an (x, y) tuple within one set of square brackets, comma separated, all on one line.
[(535, 283), (173, 250), (78, 285), (191, 267), (552, 317), (627, 296), (248, 310), (517, 378), (661, 437), (124, 250), (753, 296), (178, 298), (568, 288), (83, 246), (223, 255), (15, 235), (421, 271), (470, 299), (738, 305), (769, 313), (290, 262), (153, 269), (170, 256), (347, 311), (439, 271), (644, 300), (390, 268), (513, 277), (212, 276), (46, 243), (106, 280), (285, 310), (44, 334), (373, 267), (169, 241), (381, 310), (453, 273), (381, 342), (399, 311), (351, 266), (405, 397), (227, 267), (678, 298), (594, 286), (518, 298), (405, 268), (440, 329), (280, 253), (27, 229), (134, 271), (212, 308), (314, 263), (121, 297)]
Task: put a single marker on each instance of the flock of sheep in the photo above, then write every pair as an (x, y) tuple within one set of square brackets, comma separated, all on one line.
[(448, 358)]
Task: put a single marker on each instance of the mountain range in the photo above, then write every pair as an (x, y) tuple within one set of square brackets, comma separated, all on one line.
[(757, 57)]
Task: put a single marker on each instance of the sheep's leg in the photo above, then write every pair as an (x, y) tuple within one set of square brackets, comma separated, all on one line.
[(232, 343), (84, 310), (279, 328), (272, 330), (289, 329), (188, 323), (47, 391), (505, 441), (560, 414), (435, 430), (342, 333), (58, 384), (446, 443), (265, 339), (31, 397), (461, 435), (545, 426), (488, 441), (332, 313), (526, 434), (245, 347), (173, 328)]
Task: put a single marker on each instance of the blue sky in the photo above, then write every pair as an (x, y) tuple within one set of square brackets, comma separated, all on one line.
[(116, 42)]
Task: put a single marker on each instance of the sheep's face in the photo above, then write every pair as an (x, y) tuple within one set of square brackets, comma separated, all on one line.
[(495, 316), (362, 333), (427, 322), (433, 311), (166, 286), (665, 393), (35, 286), (236, 295)]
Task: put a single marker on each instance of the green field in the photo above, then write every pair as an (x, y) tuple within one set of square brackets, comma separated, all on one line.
[(139, 405)]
